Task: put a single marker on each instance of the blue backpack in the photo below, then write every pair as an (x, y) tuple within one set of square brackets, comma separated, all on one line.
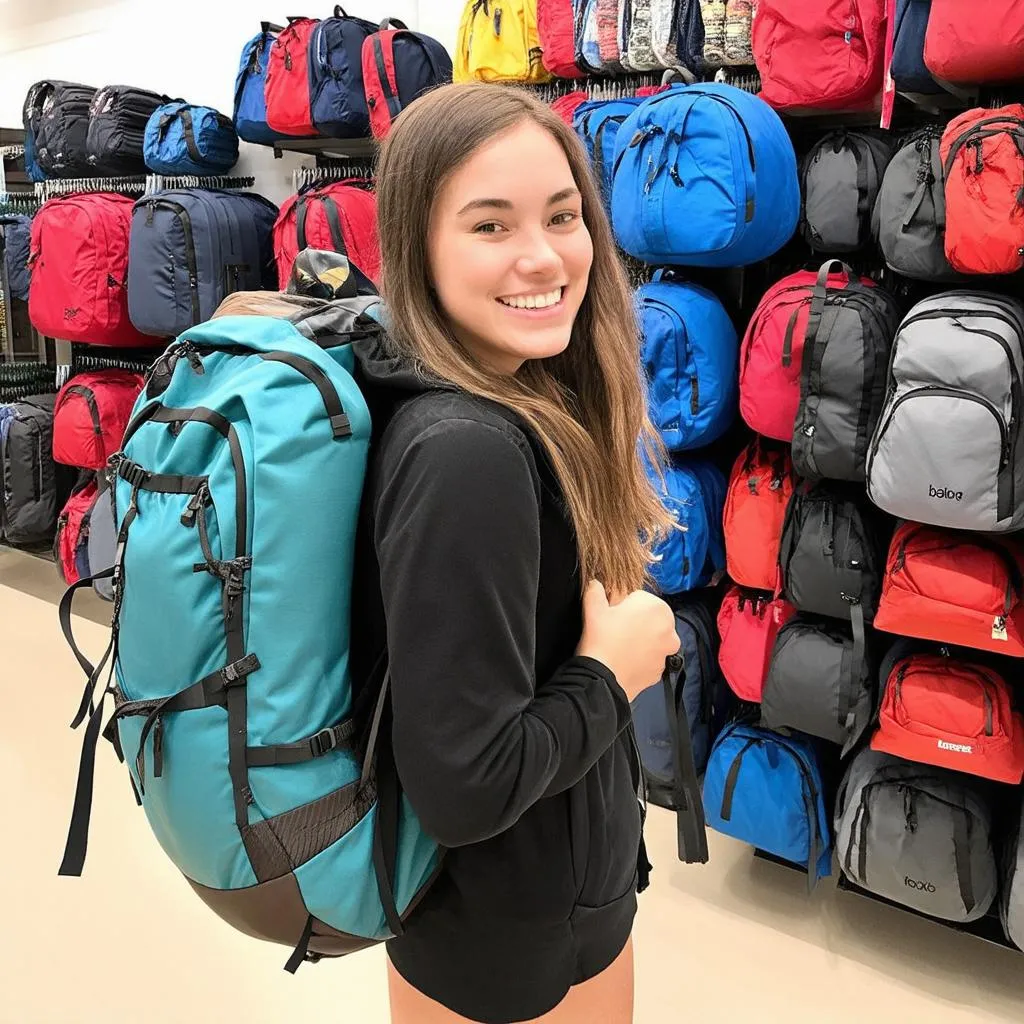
[(237, 494), (909, 71), (336, 89), (705, 175), (184, 139), (690, 558), (691, 355), (597, 123), (698, 696), (190, 248), (766, 790), (32, 168), (17, 233), (250, 103)]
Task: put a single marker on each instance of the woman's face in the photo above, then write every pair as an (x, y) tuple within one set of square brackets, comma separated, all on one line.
[(509, 253)]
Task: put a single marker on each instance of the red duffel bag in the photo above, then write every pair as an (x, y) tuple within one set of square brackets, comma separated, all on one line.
[(90, 416), (969, 44)]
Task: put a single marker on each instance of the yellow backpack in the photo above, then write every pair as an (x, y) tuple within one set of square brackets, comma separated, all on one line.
[(498, 42)]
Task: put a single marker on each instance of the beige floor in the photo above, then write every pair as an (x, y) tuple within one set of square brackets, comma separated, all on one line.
[(737, 940)]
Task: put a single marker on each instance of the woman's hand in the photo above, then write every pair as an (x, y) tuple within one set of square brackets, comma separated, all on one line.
[(631, 634)]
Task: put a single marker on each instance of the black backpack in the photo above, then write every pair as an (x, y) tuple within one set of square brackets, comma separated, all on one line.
[(117, 129), (832, 554), (839, 182), (56, 115), (33, 488), (843, 376)]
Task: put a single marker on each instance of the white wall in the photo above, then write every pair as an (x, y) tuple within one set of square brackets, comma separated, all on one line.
[(187, 48)]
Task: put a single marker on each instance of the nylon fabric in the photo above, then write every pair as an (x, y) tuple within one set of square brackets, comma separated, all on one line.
[(287, 88), (748, 622), (172, 127), (961, 47)]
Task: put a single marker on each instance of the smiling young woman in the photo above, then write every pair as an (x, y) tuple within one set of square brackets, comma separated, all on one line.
[(509, 408)]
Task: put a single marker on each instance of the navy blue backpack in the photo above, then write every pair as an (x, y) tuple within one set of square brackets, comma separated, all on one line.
[(691, 355), (909, 71), (705, 175), (250, 102), (336, 90), (189, 249), (17, 231), (597, 123), (185, 139), (697, 696), (690, 558), (766, 790)]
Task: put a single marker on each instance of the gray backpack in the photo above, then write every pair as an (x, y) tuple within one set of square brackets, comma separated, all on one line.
[(958, 359), (917, 835), (1011, 903), (840, 178), (819, 681), (909, 220), (842, 375), (102, 539)]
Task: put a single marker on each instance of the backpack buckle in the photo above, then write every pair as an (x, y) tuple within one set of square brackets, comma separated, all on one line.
[(323, 742)]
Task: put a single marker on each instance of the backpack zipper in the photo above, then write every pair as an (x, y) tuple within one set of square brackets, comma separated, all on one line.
[(986, 685)]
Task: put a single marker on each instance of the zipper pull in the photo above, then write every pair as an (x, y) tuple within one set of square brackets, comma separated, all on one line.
[(188, 350)]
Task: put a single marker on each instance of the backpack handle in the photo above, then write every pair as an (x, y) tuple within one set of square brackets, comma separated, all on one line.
[(339, 11), (392, 23), (819, 296)]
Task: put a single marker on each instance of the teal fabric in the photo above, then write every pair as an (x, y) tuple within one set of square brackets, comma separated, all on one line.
[(302, 492)]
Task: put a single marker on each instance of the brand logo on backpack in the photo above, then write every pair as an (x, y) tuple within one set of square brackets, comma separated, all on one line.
[(957, 748), (945, 492), (70, 312), (912, 883)]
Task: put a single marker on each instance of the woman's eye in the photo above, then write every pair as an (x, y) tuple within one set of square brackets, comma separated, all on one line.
[(490, 228), (566, 217)]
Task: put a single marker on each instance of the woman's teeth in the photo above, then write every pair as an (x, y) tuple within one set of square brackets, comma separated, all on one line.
[(532, 301)]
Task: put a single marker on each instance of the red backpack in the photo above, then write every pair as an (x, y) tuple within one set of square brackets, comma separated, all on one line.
[(566, 106), (90, 416), (79, 261), (760, 487), (772, 352), (962, 47), (556, 28), (341, 217), (953, 714), (69, 543), (815, 54), (286, 90), (748, 623), (983, 154), (954, 588)]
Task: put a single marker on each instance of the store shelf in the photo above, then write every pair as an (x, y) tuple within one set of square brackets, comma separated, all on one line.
[(988, 928), (331, 149)]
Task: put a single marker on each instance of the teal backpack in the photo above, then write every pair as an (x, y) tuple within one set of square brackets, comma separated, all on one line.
[(237, 494)]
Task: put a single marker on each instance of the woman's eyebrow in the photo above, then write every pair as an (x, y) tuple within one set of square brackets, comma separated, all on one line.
[(505, 204)]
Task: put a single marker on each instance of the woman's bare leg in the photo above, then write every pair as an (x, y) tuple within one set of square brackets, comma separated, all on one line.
[(605, 999)]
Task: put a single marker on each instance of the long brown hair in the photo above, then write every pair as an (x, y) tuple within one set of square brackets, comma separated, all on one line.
[(588, 404)]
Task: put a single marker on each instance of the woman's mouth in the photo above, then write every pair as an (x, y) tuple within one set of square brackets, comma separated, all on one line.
[(536, 304)]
